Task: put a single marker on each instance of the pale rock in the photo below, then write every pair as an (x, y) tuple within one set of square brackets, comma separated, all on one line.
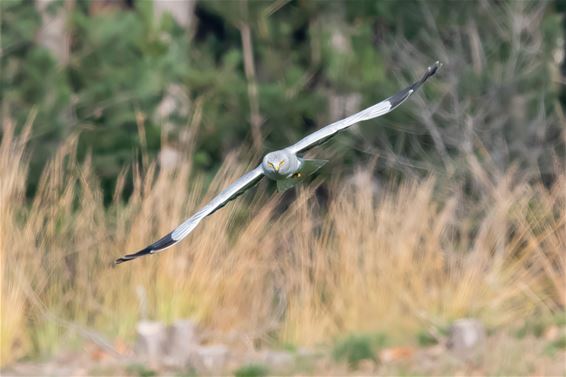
[(466, 338), (340, 41), (278, 360), (150, 343), (362, 180), (212, 359), (169, 157), (53, 33), (305, 352), (181, 11), (182, 340)]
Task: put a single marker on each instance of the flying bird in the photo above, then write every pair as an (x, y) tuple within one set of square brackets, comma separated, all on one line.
[(285, 166)]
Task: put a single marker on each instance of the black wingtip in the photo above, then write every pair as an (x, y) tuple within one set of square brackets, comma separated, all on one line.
[(430, 71), (400, 97), (129, 257), (162, 244)]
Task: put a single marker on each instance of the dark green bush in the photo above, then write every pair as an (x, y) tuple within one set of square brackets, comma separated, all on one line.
[(357, 347), (252, 370)]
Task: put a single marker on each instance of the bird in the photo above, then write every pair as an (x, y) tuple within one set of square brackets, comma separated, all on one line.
[(284, 166)]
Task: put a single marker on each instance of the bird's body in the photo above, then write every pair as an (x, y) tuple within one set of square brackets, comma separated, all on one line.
[(281, 164), (284, 166)]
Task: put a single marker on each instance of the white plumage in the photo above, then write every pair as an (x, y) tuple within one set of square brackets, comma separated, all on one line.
[(280, 165)]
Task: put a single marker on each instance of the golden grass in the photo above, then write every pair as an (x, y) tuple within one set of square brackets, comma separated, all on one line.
[(410, 259)]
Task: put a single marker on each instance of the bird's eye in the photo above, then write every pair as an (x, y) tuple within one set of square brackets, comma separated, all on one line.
[(281, 163)]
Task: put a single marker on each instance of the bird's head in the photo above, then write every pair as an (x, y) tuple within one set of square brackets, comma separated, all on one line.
[(278, 162)]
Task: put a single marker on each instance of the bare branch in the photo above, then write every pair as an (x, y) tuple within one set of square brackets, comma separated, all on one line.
[(256, 120)]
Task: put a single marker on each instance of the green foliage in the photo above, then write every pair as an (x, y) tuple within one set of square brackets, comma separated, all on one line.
[(356, 347), (125, 64), (425, 339), (252, 370), (189, 372), (140, 370), (30, 80), (537, 325), (289, 347), (560, 318), (533, 327), (558, 345)]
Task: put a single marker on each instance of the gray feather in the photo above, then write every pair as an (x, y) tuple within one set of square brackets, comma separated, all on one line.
[(377, 110)]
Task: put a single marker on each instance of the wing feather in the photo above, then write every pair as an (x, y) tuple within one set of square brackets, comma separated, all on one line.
[(379, 109), (230, 193)]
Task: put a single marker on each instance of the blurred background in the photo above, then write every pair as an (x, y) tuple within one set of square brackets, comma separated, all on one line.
[(121, 117)]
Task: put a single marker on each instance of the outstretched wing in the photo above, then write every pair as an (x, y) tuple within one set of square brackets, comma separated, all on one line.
[(245, 182), (379, 109)]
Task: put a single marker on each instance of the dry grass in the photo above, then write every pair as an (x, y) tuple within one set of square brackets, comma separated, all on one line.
[(409, 259)]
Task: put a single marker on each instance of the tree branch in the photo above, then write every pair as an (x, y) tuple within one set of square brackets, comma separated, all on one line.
[(256, 119)]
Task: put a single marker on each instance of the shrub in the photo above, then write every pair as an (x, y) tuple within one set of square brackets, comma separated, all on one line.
[(252, 370), (355, 348)]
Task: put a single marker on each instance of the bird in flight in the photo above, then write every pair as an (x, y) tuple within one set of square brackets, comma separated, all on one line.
[(285, 166)]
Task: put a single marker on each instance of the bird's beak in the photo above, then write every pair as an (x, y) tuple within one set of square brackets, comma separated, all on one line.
[(274, 168)]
